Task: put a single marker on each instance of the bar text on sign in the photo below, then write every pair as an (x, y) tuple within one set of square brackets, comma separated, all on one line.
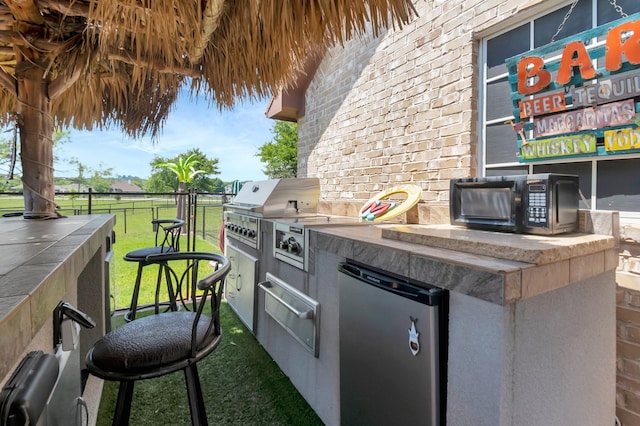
[(622, 139), (542, 105), (613, 114), (560, 146), (621, 40)]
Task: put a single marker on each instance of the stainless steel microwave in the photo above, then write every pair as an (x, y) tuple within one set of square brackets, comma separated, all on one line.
[(533, 204)]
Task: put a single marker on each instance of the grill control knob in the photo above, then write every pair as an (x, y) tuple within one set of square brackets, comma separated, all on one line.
[(294, 247), (284, 245), (252, 233)]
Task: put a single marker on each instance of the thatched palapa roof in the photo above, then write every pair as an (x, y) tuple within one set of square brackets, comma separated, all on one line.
[(123, 61)]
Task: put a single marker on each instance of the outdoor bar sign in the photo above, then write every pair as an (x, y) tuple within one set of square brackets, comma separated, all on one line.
[(571, 107)]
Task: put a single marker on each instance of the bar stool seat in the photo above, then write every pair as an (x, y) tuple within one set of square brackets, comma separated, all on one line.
[(167, 240), (157, 345)]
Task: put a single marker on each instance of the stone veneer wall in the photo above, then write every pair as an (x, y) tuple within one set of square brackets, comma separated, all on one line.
[(401, 108)]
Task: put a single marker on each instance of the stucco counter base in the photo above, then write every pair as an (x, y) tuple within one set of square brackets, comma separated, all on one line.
[(531, 319)]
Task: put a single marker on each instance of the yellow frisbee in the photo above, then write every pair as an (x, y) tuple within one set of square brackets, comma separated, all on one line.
[(379, 208)]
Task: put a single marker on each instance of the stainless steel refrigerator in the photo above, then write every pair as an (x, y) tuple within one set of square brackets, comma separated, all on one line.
[(392, 349)]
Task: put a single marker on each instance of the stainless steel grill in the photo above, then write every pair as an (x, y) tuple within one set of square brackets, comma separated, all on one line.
[(291, 204), (278, 198), (278, 288), (248, 243)]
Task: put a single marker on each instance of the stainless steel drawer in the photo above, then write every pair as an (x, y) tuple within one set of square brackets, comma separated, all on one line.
[(293, 310)]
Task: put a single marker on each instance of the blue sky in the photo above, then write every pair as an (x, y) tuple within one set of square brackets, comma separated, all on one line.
[(231, 136)]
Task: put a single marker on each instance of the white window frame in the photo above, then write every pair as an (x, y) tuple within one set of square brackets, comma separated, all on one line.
[(625, 216)]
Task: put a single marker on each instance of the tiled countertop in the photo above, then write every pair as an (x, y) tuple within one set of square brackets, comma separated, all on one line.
[(497, 267), (40, 261)]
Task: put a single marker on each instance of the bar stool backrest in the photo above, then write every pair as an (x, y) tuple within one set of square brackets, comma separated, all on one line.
[(168, 233)]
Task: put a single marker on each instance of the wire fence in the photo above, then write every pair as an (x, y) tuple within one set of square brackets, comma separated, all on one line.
[(203, 210)]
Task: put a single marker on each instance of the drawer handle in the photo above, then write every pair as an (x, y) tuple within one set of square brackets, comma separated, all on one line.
[(265, 285)]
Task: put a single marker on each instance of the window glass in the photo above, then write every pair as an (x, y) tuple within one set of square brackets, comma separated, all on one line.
[(499, 104), (508, 171), (617, 187), (505, 46), (582, 169), (607, 13), (502, 144), (545, 27)]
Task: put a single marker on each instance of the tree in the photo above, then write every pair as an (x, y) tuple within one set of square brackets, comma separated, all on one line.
[(100, 180), (9, 154), (162, 179), (217, 186), (281, 154), (7, 160), (80, 179), (185, 175), (98, 63), (60, 137), (185, 170)]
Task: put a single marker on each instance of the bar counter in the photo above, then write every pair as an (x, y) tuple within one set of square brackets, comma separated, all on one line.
[(531, 329), (41, 263)]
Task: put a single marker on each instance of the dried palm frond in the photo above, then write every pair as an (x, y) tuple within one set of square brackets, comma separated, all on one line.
[(122, 62)]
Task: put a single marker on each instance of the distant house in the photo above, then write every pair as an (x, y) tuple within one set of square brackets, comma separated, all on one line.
[(72, 187), (125, 186)]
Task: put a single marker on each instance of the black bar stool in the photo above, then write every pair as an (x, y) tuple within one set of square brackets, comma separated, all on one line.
[(167, 241), (155, 345)]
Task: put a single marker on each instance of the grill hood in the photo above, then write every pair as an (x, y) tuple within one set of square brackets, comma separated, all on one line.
[(278, 198)]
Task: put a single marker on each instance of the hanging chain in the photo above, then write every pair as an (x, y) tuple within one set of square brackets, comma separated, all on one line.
[(566, 17), (618, 8), (613, 3)]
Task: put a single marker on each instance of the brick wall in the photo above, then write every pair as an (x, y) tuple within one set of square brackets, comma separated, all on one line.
[(628, 329), (392, 110), (401, 108)]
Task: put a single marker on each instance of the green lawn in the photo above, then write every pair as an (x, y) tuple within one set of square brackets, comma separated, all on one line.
[(241, 384), (134, 230), (140, 234)]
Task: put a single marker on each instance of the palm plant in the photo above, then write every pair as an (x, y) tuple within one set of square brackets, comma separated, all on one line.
[(185, 170)]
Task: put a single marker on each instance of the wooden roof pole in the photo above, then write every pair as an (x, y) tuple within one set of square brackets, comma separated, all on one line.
[(35, 120), (36, 146)]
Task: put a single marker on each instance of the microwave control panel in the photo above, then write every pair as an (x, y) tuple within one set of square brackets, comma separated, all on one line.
[(537, 211)]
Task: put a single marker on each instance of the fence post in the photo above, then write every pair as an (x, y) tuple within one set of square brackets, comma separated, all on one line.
[(204, 228), (195, 217), (89, 204), (188, 216), (125, 220)]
